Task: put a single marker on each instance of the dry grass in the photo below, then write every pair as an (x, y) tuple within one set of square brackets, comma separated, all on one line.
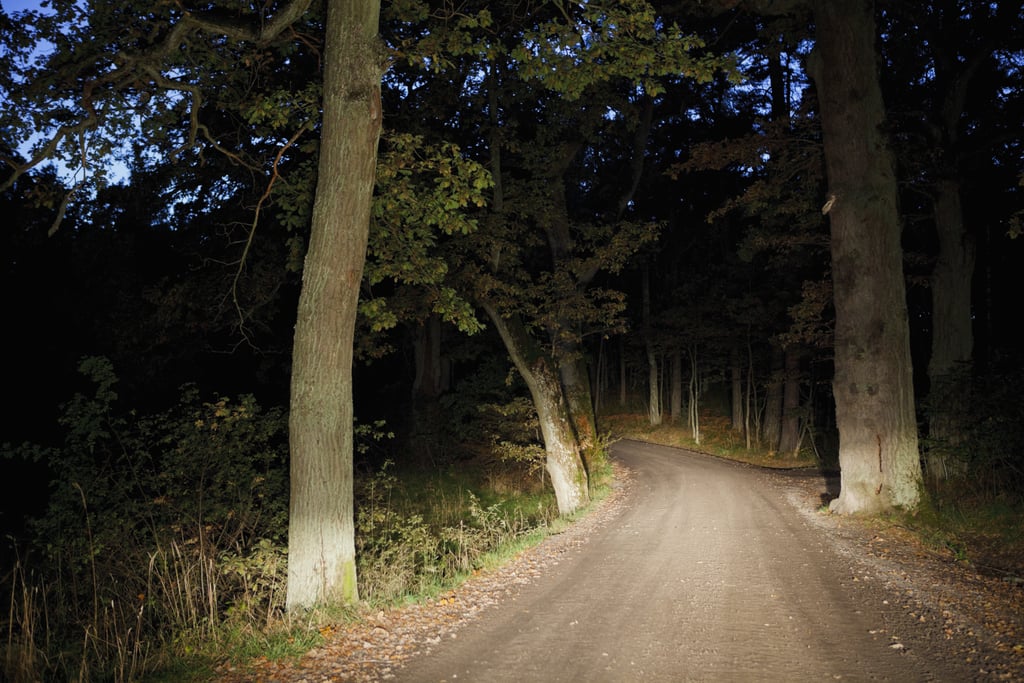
[(717, 438)]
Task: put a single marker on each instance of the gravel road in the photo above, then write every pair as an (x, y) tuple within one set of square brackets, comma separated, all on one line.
[(693, 569), (707, 572)]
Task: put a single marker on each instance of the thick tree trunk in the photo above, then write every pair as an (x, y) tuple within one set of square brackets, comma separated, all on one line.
[(321, 545), (952, 327), (576, 385), (564, 463), (873, 388)]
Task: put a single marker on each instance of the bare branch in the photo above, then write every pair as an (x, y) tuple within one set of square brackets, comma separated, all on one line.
[(148, 63), (255, 221)]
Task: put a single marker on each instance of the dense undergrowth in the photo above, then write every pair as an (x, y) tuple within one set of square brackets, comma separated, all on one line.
[(162, 552)]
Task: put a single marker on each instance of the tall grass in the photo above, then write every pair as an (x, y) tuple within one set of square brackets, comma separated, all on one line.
[(162, 551), (418, 534), (187, 600)]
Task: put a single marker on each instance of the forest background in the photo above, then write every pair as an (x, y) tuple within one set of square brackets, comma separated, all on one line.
[(636, 193)]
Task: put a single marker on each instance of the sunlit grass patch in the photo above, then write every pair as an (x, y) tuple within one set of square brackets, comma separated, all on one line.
[(717, 438)]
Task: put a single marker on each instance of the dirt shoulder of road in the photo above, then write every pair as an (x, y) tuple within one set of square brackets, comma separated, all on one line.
[(981, 613)]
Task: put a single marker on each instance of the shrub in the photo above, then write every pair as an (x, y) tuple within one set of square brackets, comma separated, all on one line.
[(158, 527)]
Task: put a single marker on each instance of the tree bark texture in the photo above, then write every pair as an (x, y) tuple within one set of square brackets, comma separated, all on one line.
[(563, 461), (576, 385), (321, 545), (873, 389)]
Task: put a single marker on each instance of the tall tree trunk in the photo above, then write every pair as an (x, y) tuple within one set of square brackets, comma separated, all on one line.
[(772, 425), (789, 437), (952, 330), (676, 399), (564, 463), (653, 385), (873, 388), (576, 384), (693, 399), (428, 385), (540, 370), (321, 544), (736, 391)]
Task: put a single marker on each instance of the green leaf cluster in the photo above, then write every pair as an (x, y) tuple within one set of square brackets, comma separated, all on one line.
[(427, 196), (624, 39)]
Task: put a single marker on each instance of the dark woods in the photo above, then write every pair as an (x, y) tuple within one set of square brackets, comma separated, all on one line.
[(625, 210)]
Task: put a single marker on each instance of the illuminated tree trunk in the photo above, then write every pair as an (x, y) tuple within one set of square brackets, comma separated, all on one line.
[(564, 463), (321, 546), (580, 400), (873, 389)]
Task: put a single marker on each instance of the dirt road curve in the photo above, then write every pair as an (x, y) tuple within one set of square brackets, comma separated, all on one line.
[(707, 572)]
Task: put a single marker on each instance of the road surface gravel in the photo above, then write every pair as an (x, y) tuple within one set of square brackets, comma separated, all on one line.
[(707, 573), (694, 569)]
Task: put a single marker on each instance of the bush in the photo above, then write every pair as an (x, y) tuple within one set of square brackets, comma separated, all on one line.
[(410, 546), (164, 537), (158, 528)]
